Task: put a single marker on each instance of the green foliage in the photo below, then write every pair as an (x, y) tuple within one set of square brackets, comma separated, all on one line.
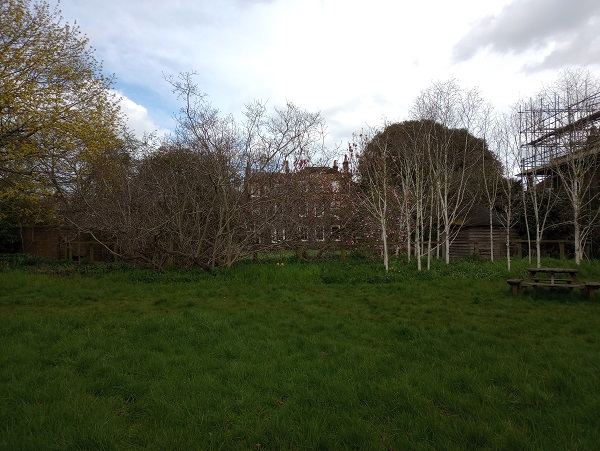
[(56, 112), (9, 238), (446, 145), (14, 261)]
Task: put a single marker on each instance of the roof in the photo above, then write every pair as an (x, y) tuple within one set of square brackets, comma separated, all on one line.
[(479, 216)]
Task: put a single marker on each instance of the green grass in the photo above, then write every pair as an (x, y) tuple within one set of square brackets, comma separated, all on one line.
[(330, 355)]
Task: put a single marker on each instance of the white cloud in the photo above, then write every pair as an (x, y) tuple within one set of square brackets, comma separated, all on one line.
[(553, 27), (358, 62), (138, 118)]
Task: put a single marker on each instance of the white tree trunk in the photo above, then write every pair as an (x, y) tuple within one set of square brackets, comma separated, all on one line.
[(538, 247), (508, 221), (491, 236), (385, 244), (577, 231), (508, 249), (418, 236)]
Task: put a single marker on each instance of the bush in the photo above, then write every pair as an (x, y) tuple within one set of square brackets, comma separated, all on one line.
[(19, 260), (9, 238)]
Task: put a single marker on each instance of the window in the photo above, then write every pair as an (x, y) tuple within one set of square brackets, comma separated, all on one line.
[(335, 208), (303, 208), (277, 235), (335, 232), (303, 233), (320, 233), (319, 209), (281, 235)]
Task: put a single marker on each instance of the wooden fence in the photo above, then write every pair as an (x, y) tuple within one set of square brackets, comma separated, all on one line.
[(50, 243)]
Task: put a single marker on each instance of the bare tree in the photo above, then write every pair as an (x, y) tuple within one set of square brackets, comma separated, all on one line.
[(576, 94), (559, 144), (412, 148), (199, 197), (412, 169), (537, 196), (454, 117), (505, 145), (492, 174), (310, 207), (375, 182)]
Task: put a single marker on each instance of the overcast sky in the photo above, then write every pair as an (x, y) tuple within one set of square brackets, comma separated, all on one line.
[(358, 62)]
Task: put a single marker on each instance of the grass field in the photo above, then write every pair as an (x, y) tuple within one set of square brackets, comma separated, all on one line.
[(330, 355)]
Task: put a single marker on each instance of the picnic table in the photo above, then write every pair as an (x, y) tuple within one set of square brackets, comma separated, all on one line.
[(566, 278)]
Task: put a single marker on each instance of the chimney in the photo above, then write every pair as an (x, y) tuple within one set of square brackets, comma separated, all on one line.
[(335, 166), (345, 164), (286, 166)]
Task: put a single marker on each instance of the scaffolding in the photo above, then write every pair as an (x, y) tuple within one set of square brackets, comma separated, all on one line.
[(553, 129), (559, 151)]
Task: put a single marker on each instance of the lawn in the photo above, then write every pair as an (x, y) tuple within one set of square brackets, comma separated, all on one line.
[(328, 355)]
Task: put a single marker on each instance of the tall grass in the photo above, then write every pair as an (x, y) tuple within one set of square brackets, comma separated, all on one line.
[(330, 355)]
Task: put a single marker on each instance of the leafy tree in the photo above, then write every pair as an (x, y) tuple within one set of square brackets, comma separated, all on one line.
[(56, 111), (432, 168)]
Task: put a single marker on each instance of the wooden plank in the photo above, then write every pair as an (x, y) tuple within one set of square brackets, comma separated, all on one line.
[(552, 285), (554, 282), (555, 270)]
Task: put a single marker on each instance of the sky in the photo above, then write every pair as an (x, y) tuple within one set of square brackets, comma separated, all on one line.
[(360, 63)]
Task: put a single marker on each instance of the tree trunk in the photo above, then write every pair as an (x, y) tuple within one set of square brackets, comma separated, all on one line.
[(418, 237), (408, 236), (579, 245), (491, 236), (508, 217), (508, 249), (538, 247), (385, 244)]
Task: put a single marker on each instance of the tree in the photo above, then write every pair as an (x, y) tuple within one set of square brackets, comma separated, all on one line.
[(200, 197), (313, 206), (456, 117), (407, 178), (559, 146), (505, 143), (375, 182), (537, 198), (576, 162), (430, 165), (56, 112)]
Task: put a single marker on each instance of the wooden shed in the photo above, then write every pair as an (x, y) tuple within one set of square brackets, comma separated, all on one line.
[(472, 235)]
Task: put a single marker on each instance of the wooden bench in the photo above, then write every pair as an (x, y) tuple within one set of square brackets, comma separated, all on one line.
[(515, 285), (566, 284), (591, 288), (564, 278)]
